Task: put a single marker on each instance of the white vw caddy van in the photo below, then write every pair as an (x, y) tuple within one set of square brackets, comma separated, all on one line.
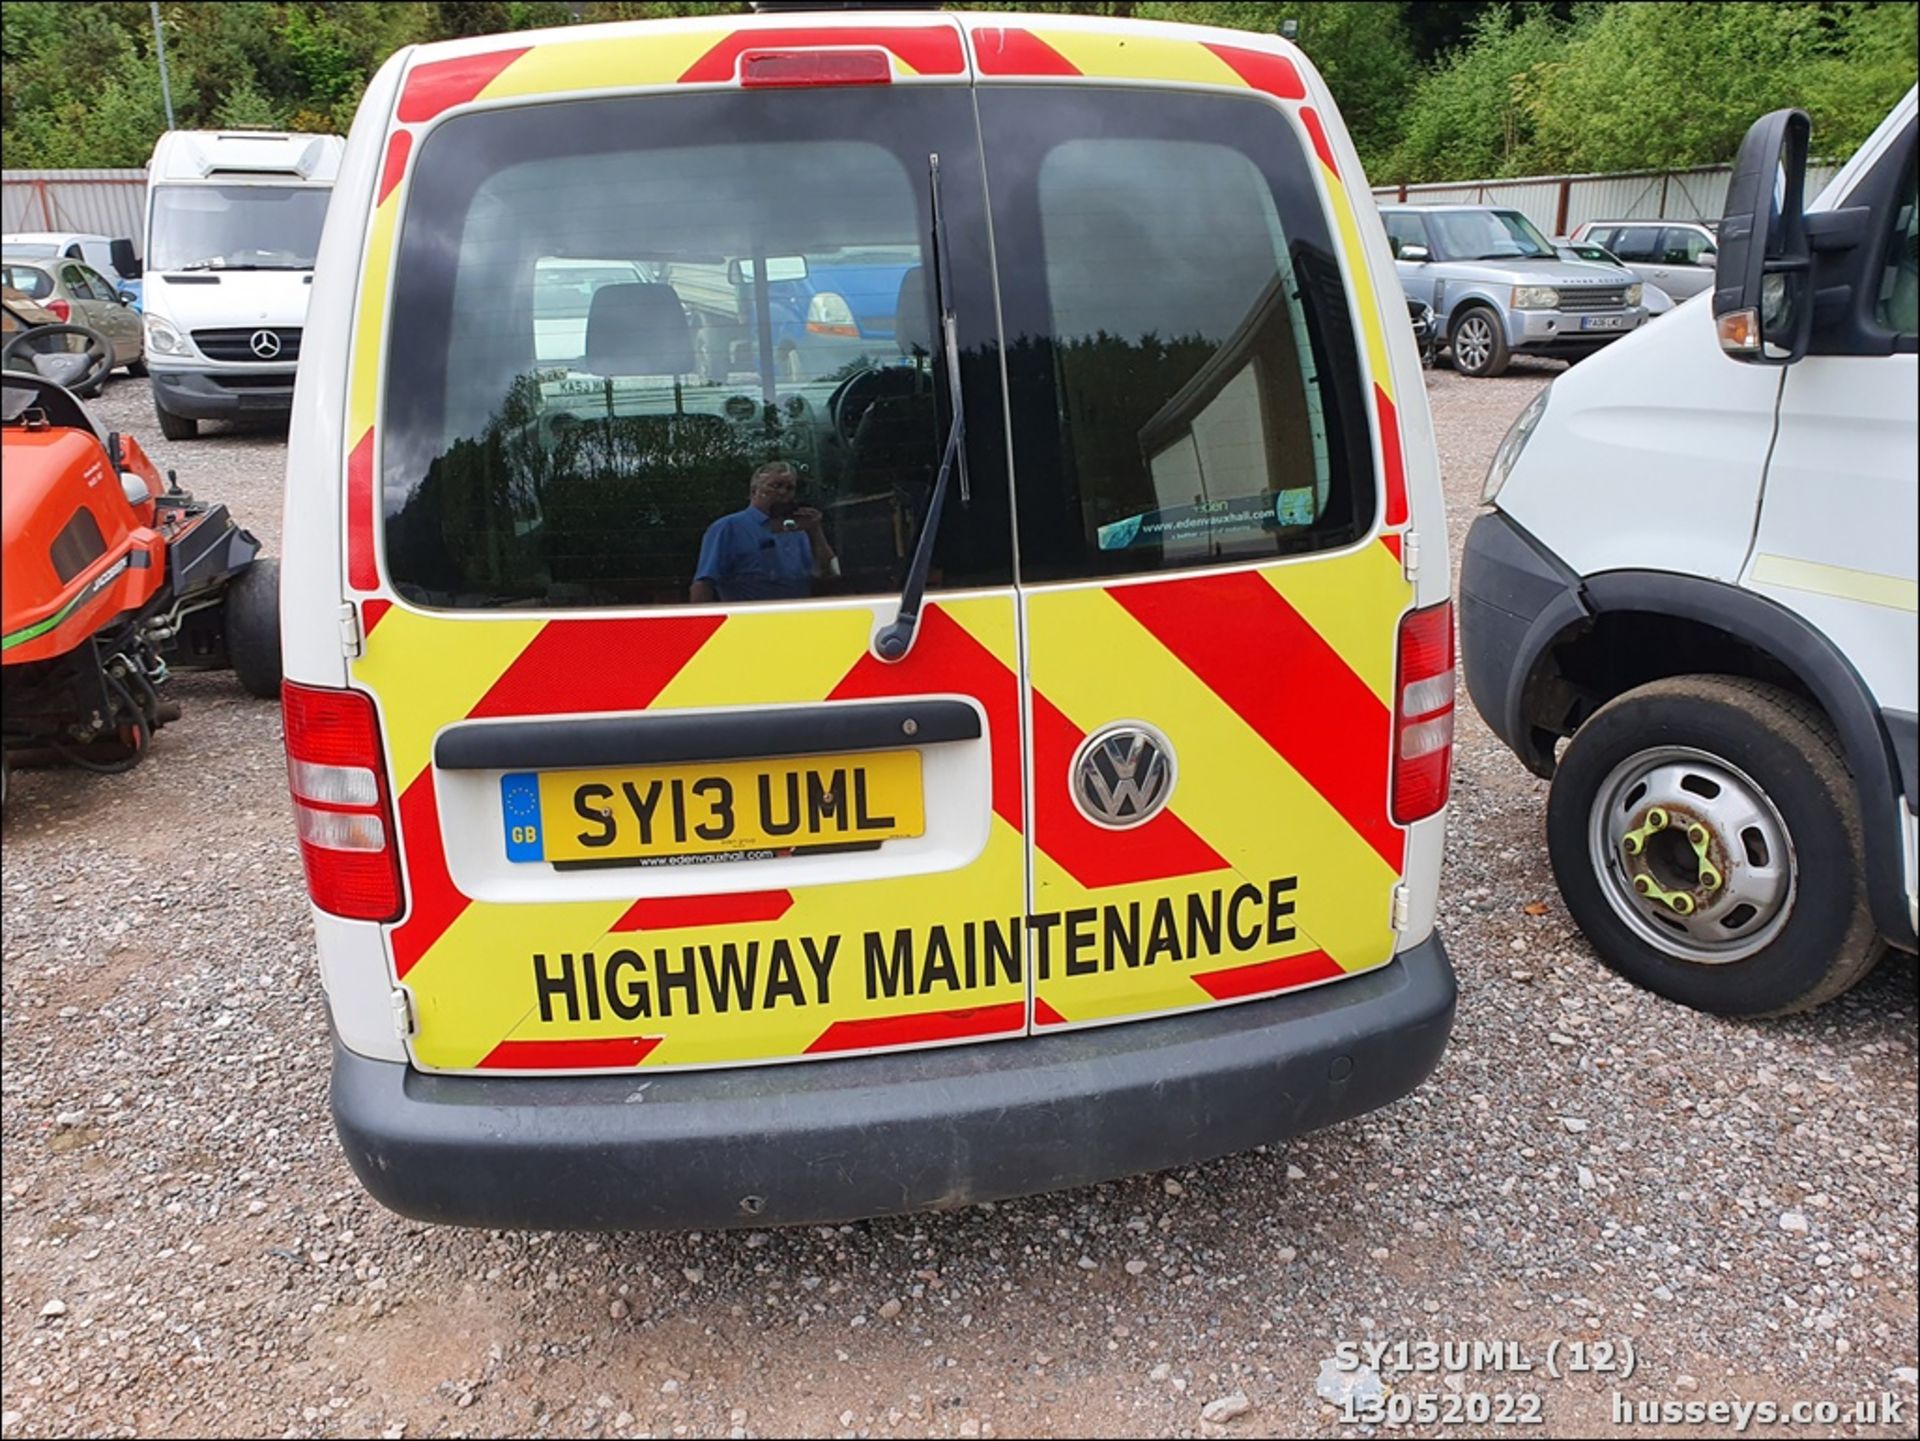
[(1700, 566), (233, 221), (743, 784)]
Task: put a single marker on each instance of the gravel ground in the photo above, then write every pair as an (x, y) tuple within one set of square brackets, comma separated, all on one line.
[(186, 1253)]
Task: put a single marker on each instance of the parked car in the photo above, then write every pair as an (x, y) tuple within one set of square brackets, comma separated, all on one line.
[(46, 336), (1499, 288), (1691, 602), (1426, 334), (1676, 255), (75, 293), (1657, 301), (112, 258)]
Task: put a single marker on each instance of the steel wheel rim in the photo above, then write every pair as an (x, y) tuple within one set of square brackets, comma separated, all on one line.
[(1474, 343), (1748, 847)]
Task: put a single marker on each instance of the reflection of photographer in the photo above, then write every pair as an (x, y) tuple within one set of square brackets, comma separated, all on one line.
[(772, 550)]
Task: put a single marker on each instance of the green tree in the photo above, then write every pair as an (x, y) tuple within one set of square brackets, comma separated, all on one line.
[(1473, 115), (244, 107)]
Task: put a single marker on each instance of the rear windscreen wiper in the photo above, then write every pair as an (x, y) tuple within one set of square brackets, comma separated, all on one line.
[(893, 642)]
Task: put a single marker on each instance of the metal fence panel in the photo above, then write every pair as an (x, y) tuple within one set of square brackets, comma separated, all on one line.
[(89, 202), (1558, 203)]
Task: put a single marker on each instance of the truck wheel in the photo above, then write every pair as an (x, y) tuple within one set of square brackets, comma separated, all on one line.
[(136, 368), (253, 628), (1479, 343), (174, 427), (1707, 838)]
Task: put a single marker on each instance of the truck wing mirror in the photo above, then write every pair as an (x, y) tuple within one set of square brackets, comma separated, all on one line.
[(123, 259), (1762, 277)]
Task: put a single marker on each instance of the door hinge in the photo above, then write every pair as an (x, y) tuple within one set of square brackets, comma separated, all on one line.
[(1400, 907), (1410, 553), (350, 630), (403, 1019)]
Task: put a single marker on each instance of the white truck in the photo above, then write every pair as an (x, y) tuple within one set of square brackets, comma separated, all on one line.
[(1700, 569), (233, 224)]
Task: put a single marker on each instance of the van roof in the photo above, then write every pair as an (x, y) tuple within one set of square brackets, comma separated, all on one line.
[(247, 155), (1025, 38)]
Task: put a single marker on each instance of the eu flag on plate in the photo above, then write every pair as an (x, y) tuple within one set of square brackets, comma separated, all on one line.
[(520, 809)]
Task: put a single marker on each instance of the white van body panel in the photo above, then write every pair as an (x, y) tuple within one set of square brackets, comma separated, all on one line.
[(1650, 455), (312, 574), (1836, 542), (353, 954), (244, 297)]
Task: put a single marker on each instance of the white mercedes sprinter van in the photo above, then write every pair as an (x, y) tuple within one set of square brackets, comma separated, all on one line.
[(233, 225), (1700, 568)]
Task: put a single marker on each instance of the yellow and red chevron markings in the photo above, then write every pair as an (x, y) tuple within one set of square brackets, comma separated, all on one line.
[(1273, 684)]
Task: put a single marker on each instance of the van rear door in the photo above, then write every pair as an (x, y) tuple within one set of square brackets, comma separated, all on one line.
[(637, 828), (1197, 377)]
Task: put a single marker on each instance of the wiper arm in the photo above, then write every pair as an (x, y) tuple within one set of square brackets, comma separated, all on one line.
[(893, 642), (896, 640)]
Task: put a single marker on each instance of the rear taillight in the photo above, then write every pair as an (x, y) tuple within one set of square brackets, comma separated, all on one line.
[(340, 802), (1423, 714), (829, 314), (60, 308)]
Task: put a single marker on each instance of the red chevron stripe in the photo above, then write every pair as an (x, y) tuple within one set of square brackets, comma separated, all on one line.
[(1305, 701), (398, 144), (1264, 977), (946, 660), (435, 902), (999, 51), (1046, 1015), (929, 49), (362, 574), (1274, 74), (442, 84), (1162, 848), (1392, 542), (672, 913), (569, 1055), (371, 614), (1392, 460), (597, 665), (1317, 133), (919, 1028)]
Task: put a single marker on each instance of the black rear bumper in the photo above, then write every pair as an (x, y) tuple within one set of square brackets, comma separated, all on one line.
[(882, 1135)]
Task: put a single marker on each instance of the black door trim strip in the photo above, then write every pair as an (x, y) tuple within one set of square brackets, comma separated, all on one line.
[(578, 743)]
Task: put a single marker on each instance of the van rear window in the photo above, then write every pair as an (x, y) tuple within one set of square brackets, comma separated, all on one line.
[(670, 348), (1182, 366)]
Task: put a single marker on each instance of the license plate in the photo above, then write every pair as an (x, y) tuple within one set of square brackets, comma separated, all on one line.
[(643, 813), (1602, 322)]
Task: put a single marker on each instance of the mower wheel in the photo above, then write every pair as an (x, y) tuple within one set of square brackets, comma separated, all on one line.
[(253, 628)]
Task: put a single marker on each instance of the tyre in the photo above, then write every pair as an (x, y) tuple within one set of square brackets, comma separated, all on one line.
[(253, 628), (174, 427), (1706, 835), (137, 368), (1479, 343)]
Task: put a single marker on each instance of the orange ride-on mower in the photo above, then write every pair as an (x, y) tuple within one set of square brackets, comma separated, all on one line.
[(110, 579)]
